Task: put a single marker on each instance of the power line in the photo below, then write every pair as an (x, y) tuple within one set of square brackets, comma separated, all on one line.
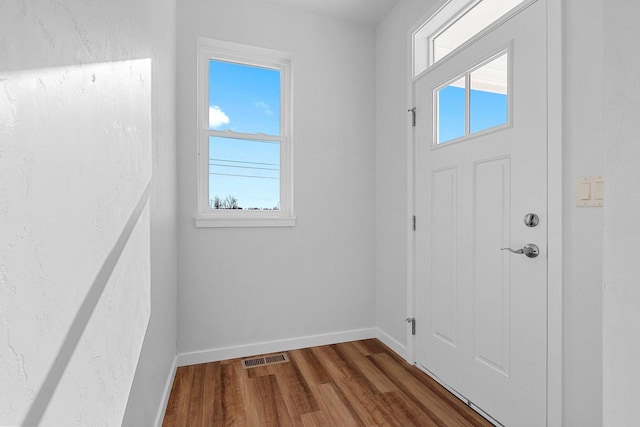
[(242, 176), (248, 163), (243, 167)]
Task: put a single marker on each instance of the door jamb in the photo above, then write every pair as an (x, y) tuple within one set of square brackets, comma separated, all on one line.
[(554, 205)]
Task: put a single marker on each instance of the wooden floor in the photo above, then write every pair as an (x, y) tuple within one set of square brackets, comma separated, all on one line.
[(360, 383)]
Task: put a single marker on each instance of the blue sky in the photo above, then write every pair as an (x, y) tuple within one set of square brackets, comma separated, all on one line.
[(244, 99), (487, 109)]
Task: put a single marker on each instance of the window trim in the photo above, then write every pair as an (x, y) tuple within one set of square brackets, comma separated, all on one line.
[(208, 49), (447, 14)]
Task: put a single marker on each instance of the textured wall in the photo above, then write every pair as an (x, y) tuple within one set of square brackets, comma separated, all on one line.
[(76, 160), (245, 286), (87, 187)]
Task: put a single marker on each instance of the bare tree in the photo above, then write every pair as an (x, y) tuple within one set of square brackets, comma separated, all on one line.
[(230, 202), (216, 203)]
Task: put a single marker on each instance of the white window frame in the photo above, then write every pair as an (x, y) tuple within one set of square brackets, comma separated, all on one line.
[(259, 57), (505, 50), (447, 14)]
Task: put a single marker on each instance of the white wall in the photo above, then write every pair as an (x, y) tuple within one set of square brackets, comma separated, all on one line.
[(241, 286), (582, 150), (622, 230), (392, 121), (83, 283)]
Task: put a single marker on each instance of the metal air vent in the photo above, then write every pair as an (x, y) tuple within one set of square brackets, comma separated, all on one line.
[(271, 359)]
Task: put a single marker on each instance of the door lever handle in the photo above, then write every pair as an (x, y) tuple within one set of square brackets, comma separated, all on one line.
[(517, 251), (530, 250)]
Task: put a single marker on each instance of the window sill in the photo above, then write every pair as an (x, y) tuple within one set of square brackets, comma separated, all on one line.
[(218, 221)]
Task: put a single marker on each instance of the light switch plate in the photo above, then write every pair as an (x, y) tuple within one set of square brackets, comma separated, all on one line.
[(590, 191)]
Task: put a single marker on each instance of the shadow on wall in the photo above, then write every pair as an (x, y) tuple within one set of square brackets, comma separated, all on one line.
[(75, 171)]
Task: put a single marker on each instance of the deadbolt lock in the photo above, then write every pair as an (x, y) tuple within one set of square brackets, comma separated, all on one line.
[(531, 220)]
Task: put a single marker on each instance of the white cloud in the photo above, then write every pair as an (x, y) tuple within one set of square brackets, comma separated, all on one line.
[(264, 106), (217, 117)]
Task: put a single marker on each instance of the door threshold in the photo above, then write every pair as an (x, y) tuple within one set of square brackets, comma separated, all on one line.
[(466, 401)]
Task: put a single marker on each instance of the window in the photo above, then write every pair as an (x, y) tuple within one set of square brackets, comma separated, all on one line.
[(477, 18), (474, 102), (455, 24), (244, 145)]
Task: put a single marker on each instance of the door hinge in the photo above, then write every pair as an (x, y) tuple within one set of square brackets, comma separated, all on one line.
[(414, 223), (412, 320), (413, 116)]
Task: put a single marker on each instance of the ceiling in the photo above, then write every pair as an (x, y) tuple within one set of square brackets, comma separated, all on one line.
[(362, 11)]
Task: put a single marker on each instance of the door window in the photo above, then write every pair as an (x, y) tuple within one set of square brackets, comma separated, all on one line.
[(475, 102)]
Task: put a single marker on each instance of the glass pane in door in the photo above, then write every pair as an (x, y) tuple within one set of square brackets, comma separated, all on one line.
[(489, 95), (451, 111)]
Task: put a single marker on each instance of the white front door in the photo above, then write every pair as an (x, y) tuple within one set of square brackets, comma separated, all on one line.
[(481, 312)]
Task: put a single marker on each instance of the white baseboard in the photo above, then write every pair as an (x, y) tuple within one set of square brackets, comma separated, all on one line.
[(399, 349), (225, 353), (167, 392)]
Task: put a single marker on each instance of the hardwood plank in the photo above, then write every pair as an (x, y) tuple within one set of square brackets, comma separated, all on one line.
[(362, 347), (406, 412), (310, 366), (237, 395), (358, 362), (334, 365), (335, 407), (440, 405), (376, 347), (361, 393), (181, 405), (212, 393), (314, 419), (358, 401), (295, 390), (271, 410), (258, 371), (361, 383), (367, 389), (195, 397)]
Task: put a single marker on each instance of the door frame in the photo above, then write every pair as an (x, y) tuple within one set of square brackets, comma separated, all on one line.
[(554, 204)]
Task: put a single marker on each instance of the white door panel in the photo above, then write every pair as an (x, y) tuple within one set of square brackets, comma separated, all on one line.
[(481, 312), (443, 249)]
